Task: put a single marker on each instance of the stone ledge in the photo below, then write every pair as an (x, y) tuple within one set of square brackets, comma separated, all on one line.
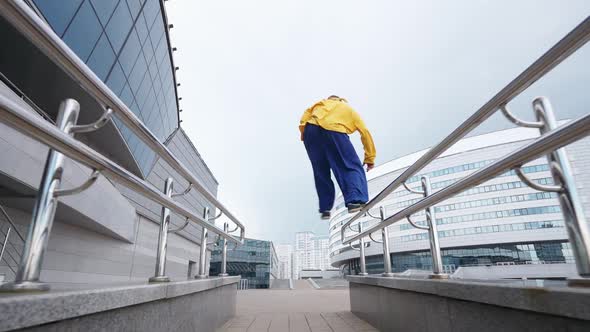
[(25, 310), (530, 295)]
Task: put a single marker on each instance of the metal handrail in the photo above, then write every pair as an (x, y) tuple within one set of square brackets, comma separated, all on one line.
[(554, 56), (27, 123), (24, 19), (562, 136)]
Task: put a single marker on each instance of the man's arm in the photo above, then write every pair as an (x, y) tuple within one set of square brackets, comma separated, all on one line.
[(367, 140)]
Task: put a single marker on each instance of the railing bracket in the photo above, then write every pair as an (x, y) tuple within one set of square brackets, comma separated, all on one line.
[(174, 231), (533, 184), (186, 191), (416, 225), (413, 191), (87, 184), (521, 123), (99, 123)]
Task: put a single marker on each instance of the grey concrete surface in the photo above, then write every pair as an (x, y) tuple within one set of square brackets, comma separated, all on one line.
[(300, 309), (206, 302), (331, 283), (280, 284), (343, 321), (392, 304)]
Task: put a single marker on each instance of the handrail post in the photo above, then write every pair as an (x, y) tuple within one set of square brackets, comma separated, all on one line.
[(385, 238), (224, 252), (573, 213), (437, 267), (362, 253), (160, 274), (203, 252), (29, 269)]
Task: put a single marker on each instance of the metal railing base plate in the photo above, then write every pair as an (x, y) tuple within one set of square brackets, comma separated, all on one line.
[(159, 279), (201, 276), (387, 274), (24, 287), (439, 276)]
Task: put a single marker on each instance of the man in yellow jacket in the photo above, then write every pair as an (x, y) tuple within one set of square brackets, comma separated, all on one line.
[(324, 130)]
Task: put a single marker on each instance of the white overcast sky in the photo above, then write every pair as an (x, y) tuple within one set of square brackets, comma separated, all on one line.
[(414, 70)]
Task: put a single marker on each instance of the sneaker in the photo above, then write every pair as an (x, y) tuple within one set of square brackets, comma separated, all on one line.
[(355, 207), (326, 215)]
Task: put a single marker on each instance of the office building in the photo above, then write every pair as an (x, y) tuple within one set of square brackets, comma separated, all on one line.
[(502, 221), (311, 252), (255, 260), (108, 233), (285, 257)]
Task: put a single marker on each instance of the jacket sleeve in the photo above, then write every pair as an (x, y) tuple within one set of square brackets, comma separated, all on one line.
[(304, 118), (366, 139)]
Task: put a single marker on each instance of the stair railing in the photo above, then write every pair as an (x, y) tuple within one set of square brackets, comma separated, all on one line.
[(60, 139), (551, 142)]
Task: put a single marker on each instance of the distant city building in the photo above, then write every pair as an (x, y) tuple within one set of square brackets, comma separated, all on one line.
[(502, 221), (255, 260), (311, 252), (285, 256)]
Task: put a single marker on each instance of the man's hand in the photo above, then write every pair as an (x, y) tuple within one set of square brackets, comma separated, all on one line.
[(370, 167)]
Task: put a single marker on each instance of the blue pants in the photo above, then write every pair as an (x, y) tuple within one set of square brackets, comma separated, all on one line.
[(330, 150)]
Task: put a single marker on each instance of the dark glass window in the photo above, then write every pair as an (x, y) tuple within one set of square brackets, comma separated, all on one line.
[(138, 76), (116, 79), (148, 51), (162, 52), (134, 7), (102, 58), (132, 60), (151, 10), (104, 9), (142, 29), (119, 26), (129, 53), (126, 95), (58, 13), (141, 95), (156, 34), (82, 34)]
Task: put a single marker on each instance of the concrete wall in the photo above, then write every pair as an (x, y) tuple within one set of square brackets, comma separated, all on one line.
[(107, 233), (76, 255), (526, 271), (400, 304), (180, 145), (196, 305)]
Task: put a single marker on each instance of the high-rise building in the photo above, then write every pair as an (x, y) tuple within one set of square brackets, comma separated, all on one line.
[(311, 252), (285, 257), (502, 221)]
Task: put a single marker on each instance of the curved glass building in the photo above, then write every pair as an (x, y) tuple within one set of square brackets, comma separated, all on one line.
[(501, 221)]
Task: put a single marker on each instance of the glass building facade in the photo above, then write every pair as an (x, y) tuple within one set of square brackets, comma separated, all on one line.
[(126, 45), (506, 254), (255, 260)]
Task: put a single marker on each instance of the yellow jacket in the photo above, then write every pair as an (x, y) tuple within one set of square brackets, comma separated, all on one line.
[(337, 115)]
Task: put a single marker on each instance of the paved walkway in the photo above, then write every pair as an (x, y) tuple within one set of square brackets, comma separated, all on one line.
[(303, 309)]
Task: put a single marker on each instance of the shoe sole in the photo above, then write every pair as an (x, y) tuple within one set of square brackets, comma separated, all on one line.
[(355, 209)]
